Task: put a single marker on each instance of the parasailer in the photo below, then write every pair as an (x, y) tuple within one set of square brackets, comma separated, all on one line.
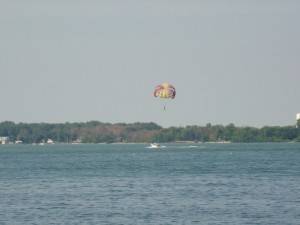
[(165, 91)]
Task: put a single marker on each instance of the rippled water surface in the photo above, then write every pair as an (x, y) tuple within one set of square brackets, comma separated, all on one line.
[(130, 184)]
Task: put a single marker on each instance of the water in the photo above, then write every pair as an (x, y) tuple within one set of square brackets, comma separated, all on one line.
[(130, 184)]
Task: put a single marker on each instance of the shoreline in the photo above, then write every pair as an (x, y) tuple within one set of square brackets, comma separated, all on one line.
[(148, 143)]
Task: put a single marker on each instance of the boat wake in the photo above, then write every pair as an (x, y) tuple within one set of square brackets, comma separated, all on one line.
[(156, 146)]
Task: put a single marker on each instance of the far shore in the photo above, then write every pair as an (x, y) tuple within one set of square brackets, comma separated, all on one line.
[(147, 143)]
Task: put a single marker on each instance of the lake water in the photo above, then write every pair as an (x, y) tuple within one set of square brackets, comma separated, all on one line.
[(130, 184)]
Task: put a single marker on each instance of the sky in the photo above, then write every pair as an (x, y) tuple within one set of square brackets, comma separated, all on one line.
[(231, 61)]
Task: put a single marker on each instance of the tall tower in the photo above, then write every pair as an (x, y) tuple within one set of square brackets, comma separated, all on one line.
[(298, 120)]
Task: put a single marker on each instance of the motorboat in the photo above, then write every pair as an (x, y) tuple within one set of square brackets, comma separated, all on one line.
[(154, 145)]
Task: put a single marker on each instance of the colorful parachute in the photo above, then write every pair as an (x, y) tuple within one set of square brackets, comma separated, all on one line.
[(165, 91)]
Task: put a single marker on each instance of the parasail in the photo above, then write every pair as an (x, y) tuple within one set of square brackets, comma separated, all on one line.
[(165, 91)]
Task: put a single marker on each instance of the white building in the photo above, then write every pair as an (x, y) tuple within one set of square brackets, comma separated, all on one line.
[(77, 141), (4, 140), (297, 119), (50, 141)]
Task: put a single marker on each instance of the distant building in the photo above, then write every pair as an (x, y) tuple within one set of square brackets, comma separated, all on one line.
[(50, 141), (77, 141), (4, 140), (298, 119)]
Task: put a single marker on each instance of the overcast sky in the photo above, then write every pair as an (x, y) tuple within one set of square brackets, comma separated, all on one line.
[(80, 60)]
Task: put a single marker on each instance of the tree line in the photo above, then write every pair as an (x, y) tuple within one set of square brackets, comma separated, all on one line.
[(98, 132)]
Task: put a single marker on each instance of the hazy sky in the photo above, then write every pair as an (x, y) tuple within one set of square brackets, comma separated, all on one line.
[(80, 60)]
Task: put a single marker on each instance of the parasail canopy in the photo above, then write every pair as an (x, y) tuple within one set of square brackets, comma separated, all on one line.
[(165, 91)]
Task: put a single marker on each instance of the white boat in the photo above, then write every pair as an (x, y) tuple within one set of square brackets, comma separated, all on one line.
[(154, 145)]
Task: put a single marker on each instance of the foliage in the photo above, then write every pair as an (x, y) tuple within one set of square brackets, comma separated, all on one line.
[(98, 132)]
